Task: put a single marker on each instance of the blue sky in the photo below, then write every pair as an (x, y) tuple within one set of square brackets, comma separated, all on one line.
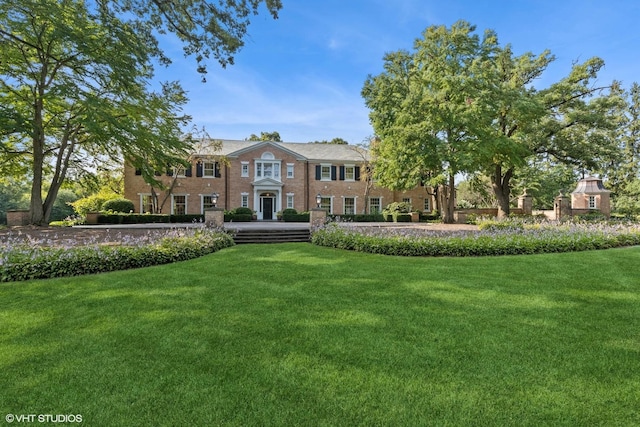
[(301, 75)]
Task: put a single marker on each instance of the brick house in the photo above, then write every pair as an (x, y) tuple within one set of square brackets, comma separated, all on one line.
[(268, 177)]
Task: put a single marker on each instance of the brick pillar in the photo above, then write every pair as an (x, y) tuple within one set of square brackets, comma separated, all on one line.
[(17, 218), (525, 202), (562, 207), (317, 217), (214, 217)]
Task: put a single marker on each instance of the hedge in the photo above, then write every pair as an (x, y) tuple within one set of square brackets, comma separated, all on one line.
[(124, 218), (490, 242), (24, 262)]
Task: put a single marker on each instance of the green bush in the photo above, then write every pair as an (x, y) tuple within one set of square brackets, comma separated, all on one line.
[(93, 203), (62, 206), (242, 211), (39, 262), (397, 207), (234, 217), (402, 217), (296, 217), (289, 211), (118, 205)]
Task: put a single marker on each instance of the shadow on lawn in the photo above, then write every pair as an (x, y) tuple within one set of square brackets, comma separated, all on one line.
[(236, 337)]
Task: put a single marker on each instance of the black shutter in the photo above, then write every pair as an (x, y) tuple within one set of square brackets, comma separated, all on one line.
[(169, 172), (217, 170), (318, 173), (188, 171), (357, 173), (199, 170), (341, 173), (334, 173), (138, 171)]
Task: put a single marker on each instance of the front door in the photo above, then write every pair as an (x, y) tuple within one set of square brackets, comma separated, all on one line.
[(267, 208)]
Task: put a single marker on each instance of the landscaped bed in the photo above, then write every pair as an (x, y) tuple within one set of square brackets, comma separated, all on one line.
[(296, 334), (511, 237)]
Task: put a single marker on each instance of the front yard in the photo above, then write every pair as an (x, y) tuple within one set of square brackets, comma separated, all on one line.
[(295, 334)]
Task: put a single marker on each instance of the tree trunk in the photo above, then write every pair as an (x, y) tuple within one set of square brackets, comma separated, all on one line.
[(502, 190), (36, 210), (445, 199)]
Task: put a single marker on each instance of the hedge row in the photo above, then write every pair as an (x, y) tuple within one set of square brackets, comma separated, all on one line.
[(482, 243), (147, 218), (38, 262)]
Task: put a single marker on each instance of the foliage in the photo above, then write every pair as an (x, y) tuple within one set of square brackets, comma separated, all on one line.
[(62, 207), (243, 210), (77, 84), (13, 195), (335, 141), (289, 211), (37, 260), (628, 199), (265, 136), (495, 240), (296, 217), (118, 205), (94, 202), (146, 218), (397, 207), (459, 104)]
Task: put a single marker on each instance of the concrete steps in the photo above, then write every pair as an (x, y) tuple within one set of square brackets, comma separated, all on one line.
[(271, 235)]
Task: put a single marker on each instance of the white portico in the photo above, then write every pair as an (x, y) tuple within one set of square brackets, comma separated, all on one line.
[(267, 186)]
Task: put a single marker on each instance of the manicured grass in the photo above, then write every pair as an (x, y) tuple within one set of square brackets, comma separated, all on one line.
[(295, 334)]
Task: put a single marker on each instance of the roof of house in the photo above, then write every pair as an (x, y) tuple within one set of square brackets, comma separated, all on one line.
[(590, 185), (304, 151)]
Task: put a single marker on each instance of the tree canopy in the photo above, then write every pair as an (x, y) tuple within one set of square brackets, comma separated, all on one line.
[(463, 103), (76, 83)]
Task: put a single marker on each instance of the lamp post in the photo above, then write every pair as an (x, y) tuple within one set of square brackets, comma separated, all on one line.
[(214, 199), (318, 199)]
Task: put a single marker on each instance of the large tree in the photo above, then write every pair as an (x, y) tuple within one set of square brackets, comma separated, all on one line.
[(424, 110), (75, 82), (461, 104)]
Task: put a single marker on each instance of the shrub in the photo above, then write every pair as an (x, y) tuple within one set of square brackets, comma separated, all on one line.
[(296, 217), (37, 261), (289, 211), (242, 211), (397, 207), (118, 205), (92, 203), (62, 206)]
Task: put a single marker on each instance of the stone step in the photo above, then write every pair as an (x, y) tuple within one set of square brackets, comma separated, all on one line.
[(271, 236)]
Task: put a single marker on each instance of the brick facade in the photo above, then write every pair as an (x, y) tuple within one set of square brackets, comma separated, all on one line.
[(268, 177)]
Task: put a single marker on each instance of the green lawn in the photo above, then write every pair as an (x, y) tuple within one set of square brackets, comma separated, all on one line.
[(294, 334)]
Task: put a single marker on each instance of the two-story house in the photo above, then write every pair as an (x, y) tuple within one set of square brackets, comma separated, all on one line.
[(268, 177)]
